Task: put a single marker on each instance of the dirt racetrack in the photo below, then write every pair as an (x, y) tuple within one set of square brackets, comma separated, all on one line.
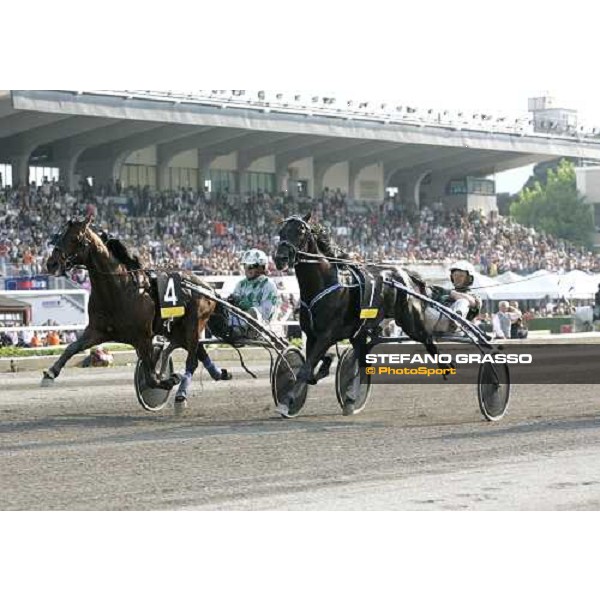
[(85, 444)]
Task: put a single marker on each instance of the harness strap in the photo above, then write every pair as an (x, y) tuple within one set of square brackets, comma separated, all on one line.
[(319, 296)]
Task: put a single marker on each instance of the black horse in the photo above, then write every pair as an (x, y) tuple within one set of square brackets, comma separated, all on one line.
[(330, 311), (123, 306)]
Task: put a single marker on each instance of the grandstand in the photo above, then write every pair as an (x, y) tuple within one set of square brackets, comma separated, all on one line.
[(392, 182), (243, 141)]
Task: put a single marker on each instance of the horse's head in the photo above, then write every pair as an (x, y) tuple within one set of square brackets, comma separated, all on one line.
[(70, 247), (294, 238)]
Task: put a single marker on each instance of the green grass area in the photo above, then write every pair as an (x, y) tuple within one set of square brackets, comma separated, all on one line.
[(12, 351)]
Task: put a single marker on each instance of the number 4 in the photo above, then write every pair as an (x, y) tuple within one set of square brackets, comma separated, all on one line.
[(170, 295)]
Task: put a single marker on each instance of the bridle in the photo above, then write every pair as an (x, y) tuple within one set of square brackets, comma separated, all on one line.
[(296, 254), (69, 261)]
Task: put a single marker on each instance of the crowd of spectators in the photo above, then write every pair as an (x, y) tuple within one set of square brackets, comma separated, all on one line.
[(206, 232), (36, 339)]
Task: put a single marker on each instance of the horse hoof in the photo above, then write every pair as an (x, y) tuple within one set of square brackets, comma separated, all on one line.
[(48, 378), (179, 405), (283, 410), (226, 375), (322, 373), (349, 408), (169, 384)]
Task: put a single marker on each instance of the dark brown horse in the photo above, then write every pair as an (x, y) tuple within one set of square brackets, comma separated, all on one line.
[(123, 308)]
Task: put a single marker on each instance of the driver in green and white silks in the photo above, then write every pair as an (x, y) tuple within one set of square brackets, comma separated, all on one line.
[(460, 299), (256, 294)]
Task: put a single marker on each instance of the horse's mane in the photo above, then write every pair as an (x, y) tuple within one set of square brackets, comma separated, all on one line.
[(118, 250), (325, 244)]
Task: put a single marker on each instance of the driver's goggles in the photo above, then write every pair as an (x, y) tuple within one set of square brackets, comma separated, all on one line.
[(252, 266)]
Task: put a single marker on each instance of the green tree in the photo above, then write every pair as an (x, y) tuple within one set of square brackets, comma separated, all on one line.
[(556, 207)]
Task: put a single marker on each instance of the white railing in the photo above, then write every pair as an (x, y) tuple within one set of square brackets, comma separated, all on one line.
[(330, 106), (278, 326), (30, 296)]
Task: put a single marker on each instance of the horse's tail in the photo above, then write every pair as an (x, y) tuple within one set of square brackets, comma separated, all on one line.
[(416, 280)]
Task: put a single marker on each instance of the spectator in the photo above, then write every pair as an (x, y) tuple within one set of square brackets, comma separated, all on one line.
[(35, 341), (52, 339), (501, 321), (514, 314), (219, 226), (597, 305), (518, 331)]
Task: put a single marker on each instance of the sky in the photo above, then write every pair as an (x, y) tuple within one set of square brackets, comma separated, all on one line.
[(460, 55)]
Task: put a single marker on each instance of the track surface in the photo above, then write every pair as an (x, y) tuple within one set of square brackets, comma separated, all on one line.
[(84, 444)]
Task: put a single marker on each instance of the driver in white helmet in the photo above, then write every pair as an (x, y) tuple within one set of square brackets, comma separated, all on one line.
[(256, 293), (460, 299)]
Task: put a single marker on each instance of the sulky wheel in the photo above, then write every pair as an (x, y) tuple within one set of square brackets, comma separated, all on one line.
[(154, 399), (283, 379), (347, 376), (493, 390)]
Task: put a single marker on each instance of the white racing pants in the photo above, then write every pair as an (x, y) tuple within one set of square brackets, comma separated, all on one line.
[(436, 322)]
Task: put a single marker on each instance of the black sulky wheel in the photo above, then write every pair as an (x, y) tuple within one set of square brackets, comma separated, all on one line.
[(154, 399), (493, 390), (345, 374), (283, 379)]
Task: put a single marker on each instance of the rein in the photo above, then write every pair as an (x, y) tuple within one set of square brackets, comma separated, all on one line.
[(70, 263), (311, 258)]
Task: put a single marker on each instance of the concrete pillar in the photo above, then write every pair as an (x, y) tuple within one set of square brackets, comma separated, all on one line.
[(204, 162), (242, 163), (66, 168), (241, 182), (414, 187), (411, 181), (282, 178), (281, 181), (162, 176), (113, 166), (20, 169), (353, 173), (319, 170)]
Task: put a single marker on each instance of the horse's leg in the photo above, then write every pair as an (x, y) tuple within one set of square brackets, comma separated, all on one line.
[(315, 350), (145, 352), (323, 369), (89, 338), (215, 372)]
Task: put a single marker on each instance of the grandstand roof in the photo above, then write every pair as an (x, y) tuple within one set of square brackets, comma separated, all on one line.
[(96, 122)]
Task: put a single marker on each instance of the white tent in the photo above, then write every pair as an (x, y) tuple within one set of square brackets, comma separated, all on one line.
[(484, 286), (531, 287), (578, 285), (508, 277)]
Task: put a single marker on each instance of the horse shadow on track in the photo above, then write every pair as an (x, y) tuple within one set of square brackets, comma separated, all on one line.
[(76, 420), (581, 423), (168, 429)]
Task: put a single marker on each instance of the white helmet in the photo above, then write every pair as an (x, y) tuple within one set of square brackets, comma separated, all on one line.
[(255, 257), (463, 265)]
